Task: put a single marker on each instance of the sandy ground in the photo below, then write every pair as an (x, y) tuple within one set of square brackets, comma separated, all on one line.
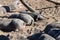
[(47, 9)]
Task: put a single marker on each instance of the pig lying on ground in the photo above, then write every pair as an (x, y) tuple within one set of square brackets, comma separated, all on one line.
[(25, 17), (11, 24)]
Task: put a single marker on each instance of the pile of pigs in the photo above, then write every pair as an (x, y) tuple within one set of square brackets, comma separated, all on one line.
[(20, 20)]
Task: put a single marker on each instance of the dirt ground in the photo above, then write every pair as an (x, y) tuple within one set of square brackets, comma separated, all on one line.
[(46, 8)]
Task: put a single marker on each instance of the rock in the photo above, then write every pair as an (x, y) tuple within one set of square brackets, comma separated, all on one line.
[(46, 37), (26, 18)]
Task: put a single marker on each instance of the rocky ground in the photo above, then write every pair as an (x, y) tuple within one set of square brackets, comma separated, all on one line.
[(44, 7)]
